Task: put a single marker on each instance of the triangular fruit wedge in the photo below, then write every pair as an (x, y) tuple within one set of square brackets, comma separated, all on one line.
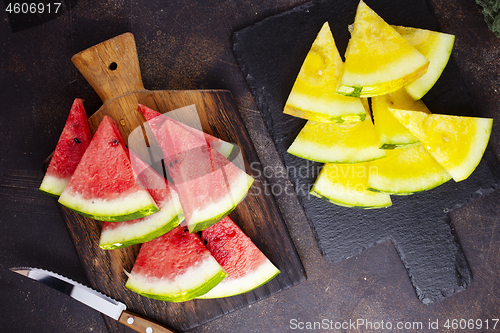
[(247, 267), (456, 143), (116, 235), (378, 60), (209, 186), (352, 142), (406, 171), (226, 149), (390, 132), (175, 267), (103, 186), (313, 94), (435, 46), (74, 140), (347, 185)]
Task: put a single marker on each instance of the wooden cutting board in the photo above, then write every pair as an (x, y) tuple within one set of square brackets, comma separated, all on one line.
[(112, 68), (270, 54)]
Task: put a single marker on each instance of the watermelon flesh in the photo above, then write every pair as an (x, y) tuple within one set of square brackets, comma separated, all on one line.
[(74, 140), (175, 267), (226, 149), (103, 186), (117, 235), (209, 185), (247, 267)]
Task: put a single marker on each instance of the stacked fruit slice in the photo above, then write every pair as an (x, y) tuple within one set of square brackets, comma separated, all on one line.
[(209, 185), (313, 94), (378, 59), (401, 148), (141, 230), (103, 186), (247, 267), (175, 267), (104, 180), (178, 266)]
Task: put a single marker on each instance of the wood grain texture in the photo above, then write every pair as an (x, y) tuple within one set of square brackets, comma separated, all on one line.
[(257, 215), (141, 324)]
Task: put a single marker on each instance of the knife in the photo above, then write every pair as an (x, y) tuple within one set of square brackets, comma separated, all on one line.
[(94, 299)]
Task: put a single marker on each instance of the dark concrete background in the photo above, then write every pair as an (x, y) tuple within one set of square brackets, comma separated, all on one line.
[(185, 45)]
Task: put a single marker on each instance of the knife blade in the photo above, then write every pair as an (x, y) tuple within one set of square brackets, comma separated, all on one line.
[(93, 299)]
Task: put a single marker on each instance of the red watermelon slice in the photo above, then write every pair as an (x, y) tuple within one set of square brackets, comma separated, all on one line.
[(73, 142), (225, 148), (247, 267), (175, 267), (117, 235), (103, 185), (209, 186)]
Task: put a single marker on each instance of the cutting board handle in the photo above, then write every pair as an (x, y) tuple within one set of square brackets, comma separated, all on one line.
[(111, 67)]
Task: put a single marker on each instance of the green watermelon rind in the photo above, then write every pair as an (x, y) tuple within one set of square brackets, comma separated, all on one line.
[(238, 190), (202, 225), (265, 273), (408, 192), (107, 242), (146, 238), (362, 202), (117, 218), (399, 145), (134, 206), (348, 205), (406, 186), (140, 286), (325, 154)]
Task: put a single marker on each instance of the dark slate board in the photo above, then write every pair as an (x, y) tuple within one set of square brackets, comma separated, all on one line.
[(270, 54)]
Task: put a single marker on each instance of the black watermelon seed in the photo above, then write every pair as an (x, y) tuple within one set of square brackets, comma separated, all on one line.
[(77, 140)]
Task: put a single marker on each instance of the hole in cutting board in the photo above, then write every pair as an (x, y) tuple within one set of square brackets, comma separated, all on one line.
[(113, 66)]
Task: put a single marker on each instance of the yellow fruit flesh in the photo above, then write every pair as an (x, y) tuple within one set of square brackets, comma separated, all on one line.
[(378, 60), (456, 143), (352, 142), (390, 132), (435, 46), (347, 185), (406, 171), (313, 94)]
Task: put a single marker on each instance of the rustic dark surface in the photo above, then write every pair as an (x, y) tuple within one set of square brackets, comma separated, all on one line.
[(186, 45)]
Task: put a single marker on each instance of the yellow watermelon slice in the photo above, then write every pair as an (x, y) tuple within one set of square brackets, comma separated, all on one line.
[(351, 142), (435, 46), (378, 60), (457, 143), (313, 94), (390, 132), (406, 171), (347, 185)]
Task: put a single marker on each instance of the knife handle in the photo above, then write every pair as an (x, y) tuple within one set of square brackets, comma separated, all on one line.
[(142, 324), (111, 67)]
